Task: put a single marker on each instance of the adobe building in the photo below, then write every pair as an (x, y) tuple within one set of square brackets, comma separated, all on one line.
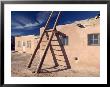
[(81, 44), (26, 43)]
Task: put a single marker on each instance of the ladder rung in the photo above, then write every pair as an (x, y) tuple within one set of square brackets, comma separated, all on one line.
[(54, 40), (44, 41), (58, 55), (49, 39), (49, 30), (56, 50), (56, 45), (42, 49), (58, 60), (44, 45)]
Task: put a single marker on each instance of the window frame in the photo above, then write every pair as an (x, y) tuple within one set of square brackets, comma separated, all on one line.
[(64, 40), (93, 39), (29, 44), (19, 43), (24, 44)]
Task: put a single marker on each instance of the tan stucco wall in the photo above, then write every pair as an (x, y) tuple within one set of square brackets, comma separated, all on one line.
[(25, 39), (78, 45)]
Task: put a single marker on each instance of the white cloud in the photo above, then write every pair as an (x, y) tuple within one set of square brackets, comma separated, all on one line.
[(31, 25), (21, 19), (26, 25), (19, 27), (42, 16), (14, 23), (21, 22), (16, 33)]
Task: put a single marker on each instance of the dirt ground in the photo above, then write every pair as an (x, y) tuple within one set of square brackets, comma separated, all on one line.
[(19, 63)]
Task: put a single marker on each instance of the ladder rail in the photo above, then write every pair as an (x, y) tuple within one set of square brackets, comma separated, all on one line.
[(48, 44), (44, 54), (48, 20), (38, 45), (54, 27)]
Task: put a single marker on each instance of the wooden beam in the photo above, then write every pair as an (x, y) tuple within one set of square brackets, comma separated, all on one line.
[(38, 45), (54, 29), (44, 54)]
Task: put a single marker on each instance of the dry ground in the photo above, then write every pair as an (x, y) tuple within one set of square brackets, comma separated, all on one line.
[(19, 68)]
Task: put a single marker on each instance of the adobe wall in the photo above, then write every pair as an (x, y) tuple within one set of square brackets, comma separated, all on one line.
[(77, 45), (25, 39)]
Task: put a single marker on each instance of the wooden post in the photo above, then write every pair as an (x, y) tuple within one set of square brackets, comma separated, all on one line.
[(38, 45), (43, 57)]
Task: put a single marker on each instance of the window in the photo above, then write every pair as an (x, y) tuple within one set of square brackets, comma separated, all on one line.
[(23, 43), (80, 25), (19, 44), (64, 40), (28, 44), (93, 39)]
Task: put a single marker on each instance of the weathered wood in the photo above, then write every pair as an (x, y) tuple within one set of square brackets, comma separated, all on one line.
[(49, 39), (44, 54), (55, 24), (63, 51), (49, 30), (38, 45), (47, 47), (53, 55)]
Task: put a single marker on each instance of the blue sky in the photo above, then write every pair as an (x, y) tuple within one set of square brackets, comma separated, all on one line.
[(30, 22)]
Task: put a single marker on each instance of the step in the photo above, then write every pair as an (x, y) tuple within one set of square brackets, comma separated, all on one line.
[(49, 30), (60, 60), (55, 45), (42, 49), (43, 45), (57, 50), (54, 40), (58, 55), (44, 41)]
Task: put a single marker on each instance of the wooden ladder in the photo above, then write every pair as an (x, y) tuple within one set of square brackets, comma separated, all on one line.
[(53, 31)]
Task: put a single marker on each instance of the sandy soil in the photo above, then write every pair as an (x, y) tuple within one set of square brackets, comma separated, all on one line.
[(20, 62)]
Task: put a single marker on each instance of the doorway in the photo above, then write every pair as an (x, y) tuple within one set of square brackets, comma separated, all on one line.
[(24, 45)]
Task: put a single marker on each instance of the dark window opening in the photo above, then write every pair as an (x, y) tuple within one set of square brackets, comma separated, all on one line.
[(64, 40), (80, 25), (23, 43), (19, 44), (28, 44), (93, 39)]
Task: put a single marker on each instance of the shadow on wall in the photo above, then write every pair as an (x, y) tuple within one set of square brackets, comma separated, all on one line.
[(12, 43), (55, 68)]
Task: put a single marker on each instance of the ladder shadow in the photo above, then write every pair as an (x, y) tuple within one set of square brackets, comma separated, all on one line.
[(50, 71), (55, 68), (63, 52)]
